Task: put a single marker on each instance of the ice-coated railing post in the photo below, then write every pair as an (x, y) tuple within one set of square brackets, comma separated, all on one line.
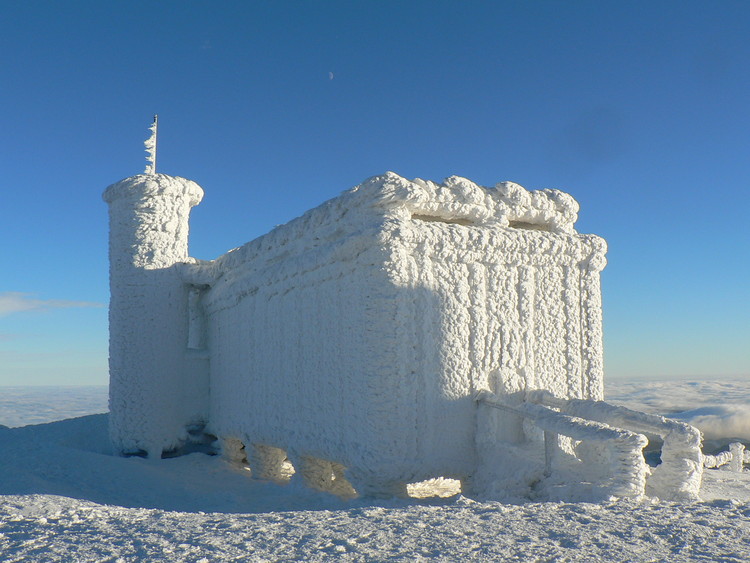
[(625, 476), (679, 475), (550, 443), (738, 456), (718, 460)]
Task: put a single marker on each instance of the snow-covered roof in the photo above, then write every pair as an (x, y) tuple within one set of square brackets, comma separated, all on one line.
[(462, 201), (392, 197), (149, 185)]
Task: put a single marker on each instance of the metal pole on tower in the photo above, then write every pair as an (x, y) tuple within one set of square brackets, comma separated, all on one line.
[(156, 133), (150, 145)]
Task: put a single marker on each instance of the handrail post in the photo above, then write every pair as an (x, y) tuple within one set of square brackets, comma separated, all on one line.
[(738, 456), (550, 441)]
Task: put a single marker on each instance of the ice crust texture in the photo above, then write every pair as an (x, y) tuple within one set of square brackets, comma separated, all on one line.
[(357, 333), (155, 389), (65, 499)]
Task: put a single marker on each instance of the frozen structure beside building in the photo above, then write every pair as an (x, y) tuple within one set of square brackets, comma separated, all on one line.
[(402, 331)]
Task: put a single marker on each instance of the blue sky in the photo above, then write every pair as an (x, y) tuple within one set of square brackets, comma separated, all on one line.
[(640, 110)]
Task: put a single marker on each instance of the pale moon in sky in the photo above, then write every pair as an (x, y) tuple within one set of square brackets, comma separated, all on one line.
[(330, 76)]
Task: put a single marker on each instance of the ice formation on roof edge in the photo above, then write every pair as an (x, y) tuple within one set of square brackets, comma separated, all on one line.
[(457, 200), (462, 199), (149, 185)]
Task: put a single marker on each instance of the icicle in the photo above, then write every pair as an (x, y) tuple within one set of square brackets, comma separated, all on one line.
[(150, 144)]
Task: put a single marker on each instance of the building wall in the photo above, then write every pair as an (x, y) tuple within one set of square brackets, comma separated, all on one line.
[(495, 308), (357, 333), (361, 337)]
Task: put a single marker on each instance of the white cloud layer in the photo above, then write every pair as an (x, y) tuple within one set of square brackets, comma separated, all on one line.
[(17, 302), (725, 421), (720, 408)]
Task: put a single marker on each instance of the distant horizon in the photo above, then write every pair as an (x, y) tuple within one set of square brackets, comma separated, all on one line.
[(632, 378), (720, 407)]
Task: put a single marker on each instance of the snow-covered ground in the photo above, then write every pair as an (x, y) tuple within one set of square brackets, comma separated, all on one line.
[(65, 498)]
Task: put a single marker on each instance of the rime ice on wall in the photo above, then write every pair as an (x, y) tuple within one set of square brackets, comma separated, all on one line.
[(156, 389), (358, 338), (359, 332)]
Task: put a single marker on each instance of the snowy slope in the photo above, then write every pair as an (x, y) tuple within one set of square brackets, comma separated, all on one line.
[(64, 497)]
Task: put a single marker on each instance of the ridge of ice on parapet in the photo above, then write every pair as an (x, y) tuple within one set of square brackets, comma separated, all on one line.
[(150, 185), (461, 199), (392, 197)]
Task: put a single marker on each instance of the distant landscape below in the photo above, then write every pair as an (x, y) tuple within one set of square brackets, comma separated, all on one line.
[(21, 405), (720, 408)]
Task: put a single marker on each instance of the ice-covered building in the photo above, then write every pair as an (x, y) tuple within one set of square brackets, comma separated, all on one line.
[(402, 331)]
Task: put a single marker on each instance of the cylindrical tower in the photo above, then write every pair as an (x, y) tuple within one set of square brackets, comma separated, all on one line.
[(155, 384)]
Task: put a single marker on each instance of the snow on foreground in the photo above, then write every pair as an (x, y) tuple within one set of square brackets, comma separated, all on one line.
[(66, 498)]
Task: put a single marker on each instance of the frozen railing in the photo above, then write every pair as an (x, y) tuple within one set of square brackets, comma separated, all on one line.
[(736, 457), (679, 475), (615, 454), (612, 438)]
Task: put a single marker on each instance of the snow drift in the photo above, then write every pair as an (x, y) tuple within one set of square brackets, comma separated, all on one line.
[(65, 497)]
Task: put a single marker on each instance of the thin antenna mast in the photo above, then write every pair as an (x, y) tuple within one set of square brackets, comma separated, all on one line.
[(150, 144)]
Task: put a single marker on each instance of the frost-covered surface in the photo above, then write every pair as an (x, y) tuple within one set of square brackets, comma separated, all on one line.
[(352, 340), (678, 477), (53, 529), (584, 459), (156, 388), (359, 332), (63, 498), (150, 145), (735, 458)]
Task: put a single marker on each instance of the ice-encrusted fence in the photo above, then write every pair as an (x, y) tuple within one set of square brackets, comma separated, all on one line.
[(735, 458), (609, 440), (616, 452)]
